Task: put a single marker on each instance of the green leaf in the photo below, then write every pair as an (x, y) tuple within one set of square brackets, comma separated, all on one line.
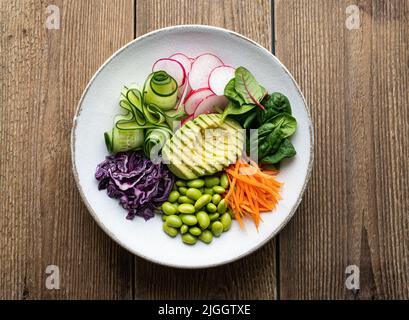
[(249, 122), (275, 104), (271, 134), (231, 93), (286, 150), (248, 88), (235, 109)]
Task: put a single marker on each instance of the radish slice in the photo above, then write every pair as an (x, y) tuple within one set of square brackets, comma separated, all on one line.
[(207, 105), (181, 90), (194, 98), (183, 59), (219, 77), (183, 95), (201, 68), (174, 68), (187, 119)]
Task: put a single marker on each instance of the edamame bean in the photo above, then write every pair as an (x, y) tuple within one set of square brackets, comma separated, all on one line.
[(174, 221), (189, 239), (168, 208), (186, 208), (174, 187), (202, 201), (184, 229), (211, 181), (201, 189), (208, 191), (193, 193), (185, 199), (169, 230), (225, 220), (183, 191), (195, 231), (218, 189), (180, 183), (224, 182), (214, 216), (217, 228), (206, 236), (222, 206), (231, 213), (164, 217), (190, 220), (196, 183), (203, 219), (216, 199), (211, 207), (173, 196)]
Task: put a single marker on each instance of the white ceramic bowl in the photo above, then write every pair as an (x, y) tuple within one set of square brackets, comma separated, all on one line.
[(99, 104)]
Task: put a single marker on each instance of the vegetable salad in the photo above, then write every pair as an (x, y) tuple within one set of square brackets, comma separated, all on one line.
[(162, 159)]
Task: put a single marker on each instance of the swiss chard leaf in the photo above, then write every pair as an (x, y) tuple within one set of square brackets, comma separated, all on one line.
[(235, 109), (248, 88), (244, 93), (275, 104), (286, 150), (231, 93)]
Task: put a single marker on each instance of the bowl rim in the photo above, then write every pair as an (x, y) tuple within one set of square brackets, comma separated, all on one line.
[(79, 109)]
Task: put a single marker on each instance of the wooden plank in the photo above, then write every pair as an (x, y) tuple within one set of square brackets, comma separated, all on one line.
[(43, 73), (252, 277), (355, 209)]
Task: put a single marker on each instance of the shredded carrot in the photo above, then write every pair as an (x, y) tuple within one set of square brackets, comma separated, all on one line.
[(252, 191)]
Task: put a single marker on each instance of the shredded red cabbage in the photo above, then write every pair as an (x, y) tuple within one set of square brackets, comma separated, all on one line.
[(140, 185)]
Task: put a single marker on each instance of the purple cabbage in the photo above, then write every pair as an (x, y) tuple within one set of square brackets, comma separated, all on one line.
[(139, 184)]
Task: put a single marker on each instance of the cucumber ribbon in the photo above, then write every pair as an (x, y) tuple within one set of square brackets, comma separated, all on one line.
[(149, 118)]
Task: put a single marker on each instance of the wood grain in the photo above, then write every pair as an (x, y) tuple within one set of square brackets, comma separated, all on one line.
[(43, 73), (356, 208), (252, 277)]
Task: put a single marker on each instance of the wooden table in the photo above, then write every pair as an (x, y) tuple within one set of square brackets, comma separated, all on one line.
[(355, 212)]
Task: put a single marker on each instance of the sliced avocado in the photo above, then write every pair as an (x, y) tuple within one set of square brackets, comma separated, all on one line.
[(206, 160), (192, 154), (183, 153)]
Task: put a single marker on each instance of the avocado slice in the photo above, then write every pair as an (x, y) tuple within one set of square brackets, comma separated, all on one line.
[(190, 153)]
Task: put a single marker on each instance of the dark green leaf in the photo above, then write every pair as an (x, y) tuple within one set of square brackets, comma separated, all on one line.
[(248, 88), (275, 104), (235, 109), (286, 150), (231, 93), (271, 134)]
